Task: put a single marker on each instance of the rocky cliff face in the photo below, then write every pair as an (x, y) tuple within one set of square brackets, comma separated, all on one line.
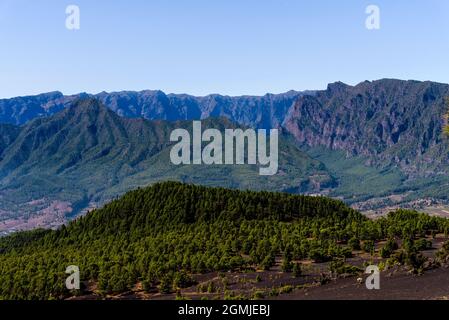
[(20, 110), (261, 112), (386, 121)]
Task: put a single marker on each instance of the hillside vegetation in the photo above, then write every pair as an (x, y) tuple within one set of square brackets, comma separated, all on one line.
[(160, 236), (86, 155), (376, 145)]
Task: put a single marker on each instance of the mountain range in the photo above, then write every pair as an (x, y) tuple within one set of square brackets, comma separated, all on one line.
[(55, 167), (262, 112), (389, 122), (375, 145)]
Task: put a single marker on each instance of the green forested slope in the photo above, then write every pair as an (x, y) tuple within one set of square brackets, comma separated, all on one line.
[(159, 235), (86, 155)]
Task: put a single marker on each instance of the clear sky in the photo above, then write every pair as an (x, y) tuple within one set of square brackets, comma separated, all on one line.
[(217, 46)]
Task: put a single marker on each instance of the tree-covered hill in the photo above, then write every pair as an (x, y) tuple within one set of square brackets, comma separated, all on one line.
[(158, 237), (8, 133), (169, 204)]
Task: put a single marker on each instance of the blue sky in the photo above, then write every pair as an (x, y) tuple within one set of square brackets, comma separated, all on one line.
[(217, 46)]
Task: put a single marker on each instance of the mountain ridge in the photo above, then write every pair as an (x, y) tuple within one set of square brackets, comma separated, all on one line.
[(375, 145), (86, 155), (389, 121), (157, 105)]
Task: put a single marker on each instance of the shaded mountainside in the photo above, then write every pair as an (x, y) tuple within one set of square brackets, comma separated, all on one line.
[(262, 112), (20, 110), (86, 155), (375, 145), (382, 140), (387, 121), (8, 133), (256, 111)]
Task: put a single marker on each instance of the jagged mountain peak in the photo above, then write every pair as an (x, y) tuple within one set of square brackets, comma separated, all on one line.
[(266, 111), (86, 106), (388, 121)]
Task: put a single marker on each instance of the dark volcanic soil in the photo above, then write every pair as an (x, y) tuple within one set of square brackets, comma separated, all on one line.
[(434, 284), (397, 283)]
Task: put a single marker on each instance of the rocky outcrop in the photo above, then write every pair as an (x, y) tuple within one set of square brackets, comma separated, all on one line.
[(386, 121), (256, 111)]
